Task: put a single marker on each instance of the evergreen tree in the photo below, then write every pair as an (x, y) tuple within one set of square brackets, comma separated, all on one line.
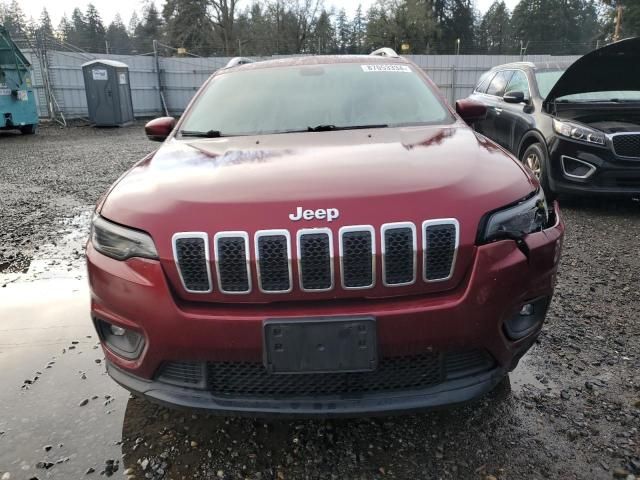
[(78, 31), (189, 26), (45, 25), (343, 32), (358, 32), (117, 37), (64, 29), (148, 30), (562, 27), (133, 24), (13, 19), (95, 30), (494, 32)]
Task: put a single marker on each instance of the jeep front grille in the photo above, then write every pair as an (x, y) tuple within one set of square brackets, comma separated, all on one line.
[(393, 374), (627, 145), (232, 262), (357, 257), (314, 258), (273, 258), (398, 254), (440, 241), (191, 253)]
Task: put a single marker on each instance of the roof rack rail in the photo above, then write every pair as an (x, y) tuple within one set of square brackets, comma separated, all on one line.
[(235, 61), (385, 52)]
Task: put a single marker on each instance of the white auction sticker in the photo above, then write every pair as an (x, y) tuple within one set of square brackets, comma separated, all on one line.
[(386, 68), (5, 91)]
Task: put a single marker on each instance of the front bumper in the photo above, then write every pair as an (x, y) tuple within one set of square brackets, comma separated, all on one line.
[(613, 176), (136, 295)]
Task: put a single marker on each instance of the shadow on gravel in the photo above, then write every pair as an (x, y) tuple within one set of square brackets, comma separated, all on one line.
[(463, 442)]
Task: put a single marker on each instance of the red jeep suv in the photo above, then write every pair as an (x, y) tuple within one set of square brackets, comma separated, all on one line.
[(321, 236)]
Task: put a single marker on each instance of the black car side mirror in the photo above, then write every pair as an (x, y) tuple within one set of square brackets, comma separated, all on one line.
[(513, 97)]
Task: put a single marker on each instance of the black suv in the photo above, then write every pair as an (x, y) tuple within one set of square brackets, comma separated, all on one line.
[(576, 126)]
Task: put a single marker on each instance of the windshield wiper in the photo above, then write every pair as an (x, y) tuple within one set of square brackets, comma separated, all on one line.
[(329, 128), (207, 134)]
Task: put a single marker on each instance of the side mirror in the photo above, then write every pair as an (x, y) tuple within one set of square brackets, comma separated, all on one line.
[(471, 111), (513, 97), (159, 129)]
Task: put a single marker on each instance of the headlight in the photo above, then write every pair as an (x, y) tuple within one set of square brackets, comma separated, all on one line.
[(120, 242), (528, 216), (578, 132)]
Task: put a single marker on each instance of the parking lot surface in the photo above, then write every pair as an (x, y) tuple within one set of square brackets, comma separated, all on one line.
[(571, 410)]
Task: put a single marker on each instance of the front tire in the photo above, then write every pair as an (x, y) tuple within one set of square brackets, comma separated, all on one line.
[(535, 158)]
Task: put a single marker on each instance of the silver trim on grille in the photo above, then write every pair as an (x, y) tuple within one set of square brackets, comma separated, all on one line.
[(383, 229), (358, 228), (233, 234), (265, 233), (425, 250), (613, 145), (299, 234), (203, 236)]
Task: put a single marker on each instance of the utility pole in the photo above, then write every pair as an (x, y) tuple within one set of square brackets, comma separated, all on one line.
[(239, 47), (163, 106), (106, 46)]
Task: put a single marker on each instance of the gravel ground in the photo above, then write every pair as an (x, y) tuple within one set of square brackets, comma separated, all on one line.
[(570, 411)]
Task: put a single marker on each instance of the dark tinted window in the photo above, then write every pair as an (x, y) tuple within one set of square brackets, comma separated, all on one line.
[(519, 83), (483, 82), (499, 83)]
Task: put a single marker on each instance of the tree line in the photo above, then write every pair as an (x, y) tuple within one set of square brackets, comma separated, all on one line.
[(267, 27)]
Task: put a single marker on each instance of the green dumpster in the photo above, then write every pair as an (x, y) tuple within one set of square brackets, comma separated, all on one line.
[(17, 100)]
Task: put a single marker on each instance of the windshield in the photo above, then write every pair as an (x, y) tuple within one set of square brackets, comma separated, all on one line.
[(288, 99), (546, 79)]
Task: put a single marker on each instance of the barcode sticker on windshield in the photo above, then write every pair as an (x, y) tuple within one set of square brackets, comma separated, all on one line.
[(386, 68)]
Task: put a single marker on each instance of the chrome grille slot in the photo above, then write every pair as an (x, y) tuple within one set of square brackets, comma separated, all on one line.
[(191, 254), (315, 259), (398, 254), (273, 260), (440, 245), (232, 262), (627, 145), (357, 257)]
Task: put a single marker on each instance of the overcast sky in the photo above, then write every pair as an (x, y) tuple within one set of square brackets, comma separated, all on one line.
[(109, 8)]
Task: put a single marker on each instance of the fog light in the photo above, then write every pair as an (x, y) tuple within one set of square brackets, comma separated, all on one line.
[(527, 309), (528, 319), (118, 331), (122, 341)]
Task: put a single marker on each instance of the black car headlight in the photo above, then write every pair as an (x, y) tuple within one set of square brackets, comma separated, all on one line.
[(578, 132), (514, 222), (120, 242)]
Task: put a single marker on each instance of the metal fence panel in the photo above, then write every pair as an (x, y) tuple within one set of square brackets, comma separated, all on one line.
[(455, 75)]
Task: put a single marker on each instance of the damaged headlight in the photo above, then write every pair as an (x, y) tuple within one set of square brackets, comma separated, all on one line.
[(578, 132), (514, 222), (120, 242)]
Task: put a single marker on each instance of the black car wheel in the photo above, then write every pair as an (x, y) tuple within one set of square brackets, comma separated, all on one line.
[(535, 157)]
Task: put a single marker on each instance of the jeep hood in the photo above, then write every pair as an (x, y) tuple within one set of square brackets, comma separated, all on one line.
[(255, 182), (615, 67)]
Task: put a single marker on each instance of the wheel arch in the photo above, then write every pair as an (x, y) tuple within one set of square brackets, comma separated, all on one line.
[(528, 139)]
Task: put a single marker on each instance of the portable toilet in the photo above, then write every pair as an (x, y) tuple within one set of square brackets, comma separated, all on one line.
[(18, 108), (106, 83)]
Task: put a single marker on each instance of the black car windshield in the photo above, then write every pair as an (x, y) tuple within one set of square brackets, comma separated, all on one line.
[(314, 98), (546, 79)]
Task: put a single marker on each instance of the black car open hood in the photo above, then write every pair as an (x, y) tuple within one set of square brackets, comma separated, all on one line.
[(615, 67)]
